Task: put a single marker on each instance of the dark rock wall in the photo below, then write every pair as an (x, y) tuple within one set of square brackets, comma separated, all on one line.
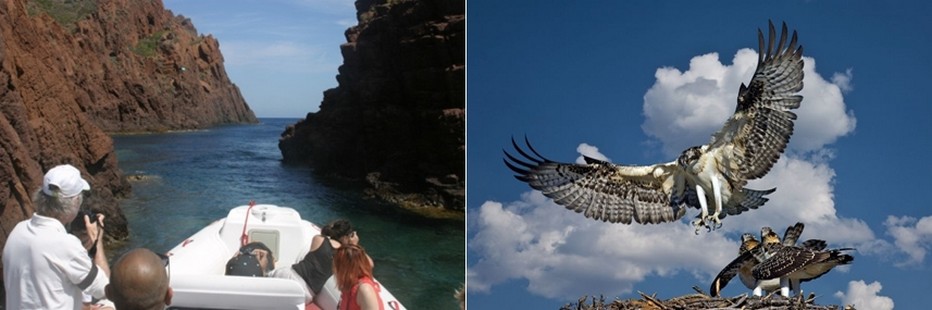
[(123, 66), (397, 119)]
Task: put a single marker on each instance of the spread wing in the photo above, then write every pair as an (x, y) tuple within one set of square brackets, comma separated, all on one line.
[(729, 272), (605, 191), (755, 136), (816, 270)]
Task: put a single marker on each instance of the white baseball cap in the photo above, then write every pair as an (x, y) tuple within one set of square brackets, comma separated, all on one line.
[(67, 179)]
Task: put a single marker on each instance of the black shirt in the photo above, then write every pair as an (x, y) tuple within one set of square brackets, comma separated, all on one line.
[(317, 266)]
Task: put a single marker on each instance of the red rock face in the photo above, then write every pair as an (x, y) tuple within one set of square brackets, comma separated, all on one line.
[(126, 66), (396, 121)]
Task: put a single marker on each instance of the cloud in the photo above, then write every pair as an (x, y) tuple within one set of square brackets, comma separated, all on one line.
[(843, 80), (805, 193), (565, 255), (864, 296), (911, 236), (590, 151), (683, 109)]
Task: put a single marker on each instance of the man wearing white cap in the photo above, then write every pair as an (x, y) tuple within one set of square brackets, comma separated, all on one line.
[(44, 267)]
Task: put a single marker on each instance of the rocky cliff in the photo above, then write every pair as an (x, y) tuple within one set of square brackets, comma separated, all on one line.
[(73, 70), (396, 122)]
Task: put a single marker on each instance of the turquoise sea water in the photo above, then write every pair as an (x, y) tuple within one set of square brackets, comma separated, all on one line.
[(193, 178)]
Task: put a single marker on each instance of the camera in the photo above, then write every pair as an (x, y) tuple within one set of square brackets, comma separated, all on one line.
[(78, 223), (78, 227)]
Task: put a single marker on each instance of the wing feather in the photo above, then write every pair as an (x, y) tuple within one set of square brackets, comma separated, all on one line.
[(601, 190), (785, 261), (729, 272), (816, 270), (792, 234), (758, 132), (814, 244), (745, 200)]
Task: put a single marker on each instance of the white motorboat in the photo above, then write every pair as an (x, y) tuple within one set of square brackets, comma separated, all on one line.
[(196, 265)]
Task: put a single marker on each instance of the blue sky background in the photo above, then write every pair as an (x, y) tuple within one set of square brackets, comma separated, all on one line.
[(624, 79), (282, 54)]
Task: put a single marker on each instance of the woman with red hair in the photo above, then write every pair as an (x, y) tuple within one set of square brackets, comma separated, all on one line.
[(352, 268)]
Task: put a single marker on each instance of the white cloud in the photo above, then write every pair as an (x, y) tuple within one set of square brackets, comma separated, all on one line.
[(805, 193), (864, 296), (683, 109), (843, 80), (822, 115), (590, 151), (911, 236), (565, 255)]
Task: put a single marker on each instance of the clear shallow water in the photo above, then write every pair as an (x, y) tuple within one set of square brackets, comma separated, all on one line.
[(193, 178)]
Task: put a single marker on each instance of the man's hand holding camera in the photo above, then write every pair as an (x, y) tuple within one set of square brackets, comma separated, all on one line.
[(95, 227), (95, 231)]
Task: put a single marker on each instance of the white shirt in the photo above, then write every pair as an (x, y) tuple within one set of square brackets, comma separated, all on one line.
[(43, 266)]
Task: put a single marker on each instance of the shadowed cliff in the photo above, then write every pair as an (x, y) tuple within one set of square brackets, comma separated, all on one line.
[(396, 122), (71, 71)]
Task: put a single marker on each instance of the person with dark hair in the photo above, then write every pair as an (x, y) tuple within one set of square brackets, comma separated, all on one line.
[(140, 281), (352, 268), (44, 267), (252, 260), (317, 266)]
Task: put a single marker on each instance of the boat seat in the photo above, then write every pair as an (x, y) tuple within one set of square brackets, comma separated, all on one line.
[(275, 226), (269, 237)]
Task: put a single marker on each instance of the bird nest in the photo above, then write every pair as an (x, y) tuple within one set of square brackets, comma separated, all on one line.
[(702, 301)]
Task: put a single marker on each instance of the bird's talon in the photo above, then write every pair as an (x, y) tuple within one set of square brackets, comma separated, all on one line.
[(698, 223)]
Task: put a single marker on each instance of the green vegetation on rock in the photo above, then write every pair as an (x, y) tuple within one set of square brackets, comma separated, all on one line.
[(146, 46), (65, 12)]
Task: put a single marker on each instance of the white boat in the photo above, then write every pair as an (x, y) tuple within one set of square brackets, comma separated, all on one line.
[(196, 265)]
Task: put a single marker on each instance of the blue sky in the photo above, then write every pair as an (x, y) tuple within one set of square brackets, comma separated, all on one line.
[(282, 54), (619, 79)]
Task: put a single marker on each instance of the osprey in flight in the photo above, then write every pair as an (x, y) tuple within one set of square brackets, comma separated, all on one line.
[(710, 177)]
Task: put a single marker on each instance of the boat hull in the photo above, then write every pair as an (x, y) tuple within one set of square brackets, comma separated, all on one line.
[(196, 269)]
